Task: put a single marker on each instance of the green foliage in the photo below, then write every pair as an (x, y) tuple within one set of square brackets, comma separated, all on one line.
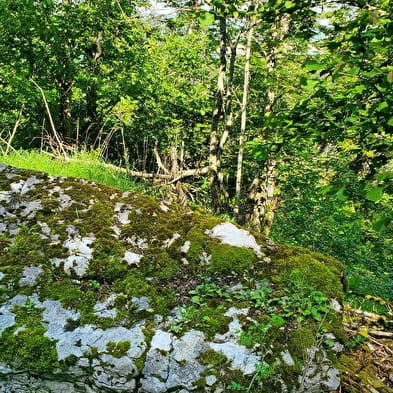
[(237, 386), (208, 289), (207, 318), (356, 341), (301, 300)]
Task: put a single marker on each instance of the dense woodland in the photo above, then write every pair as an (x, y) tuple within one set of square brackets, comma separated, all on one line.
[(276, 114)]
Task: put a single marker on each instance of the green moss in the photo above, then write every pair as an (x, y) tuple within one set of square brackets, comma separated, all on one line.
[(135, 284), (72, 295), (300, 339), (159, 264), (198, 244), (237, 376), (118, 349), (212, 358), (333, 324), (105, 269), (48, 207), (29, 349), (227, 259), (140, 362), (313, 272)]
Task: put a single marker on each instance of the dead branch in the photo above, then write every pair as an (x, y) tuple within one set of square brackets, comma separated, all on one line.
[(14, 130), (52, 124), (380, 334), (159, 161)]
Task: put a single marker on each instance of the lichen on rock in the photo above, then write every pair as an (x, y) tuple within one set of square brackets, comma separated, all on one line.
[(108, 291)]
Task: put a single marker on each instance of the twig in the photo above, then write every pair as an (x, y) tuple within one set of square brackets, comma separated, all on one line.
[(52, 124), (14, 130)]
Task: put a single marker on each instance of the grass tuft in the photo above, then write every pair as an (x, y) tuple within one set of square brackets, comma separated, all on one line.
[(86, 165)]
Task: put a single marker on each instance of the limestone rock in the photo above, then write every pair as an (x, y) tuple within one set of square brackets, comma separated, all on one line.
[(103, 291)]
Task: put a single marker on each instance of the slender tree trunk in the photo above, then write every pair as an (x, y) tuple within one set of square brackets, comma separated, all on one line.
[(91, 92), (243, 122), (216, 179), (67, 126), (175, 172), (261, 198)]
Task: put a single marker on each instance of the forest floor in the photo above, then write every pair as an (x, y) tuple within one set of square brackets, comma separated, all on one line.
[(368, 367)]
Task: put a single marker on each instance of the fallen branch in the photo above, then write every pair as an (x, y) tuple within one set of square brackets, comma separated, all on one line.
[(366, 314), (380, 334), (144, 175)]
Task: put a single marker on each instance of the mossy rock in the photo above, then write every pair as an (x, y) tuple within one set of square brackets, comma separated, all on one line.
[(123, 292)]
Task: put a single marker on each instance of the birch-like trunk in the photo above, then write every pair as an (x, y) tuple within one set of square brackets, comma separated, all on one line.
[(243, 121), (263, 200)]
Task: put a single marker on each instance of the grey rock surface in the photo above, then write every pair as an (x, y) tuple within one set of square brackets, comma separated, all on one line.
[(113, 334)]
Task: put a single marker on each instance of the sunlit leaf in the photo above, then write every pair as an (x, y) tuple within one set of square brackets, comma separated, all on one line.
[(375, 194), (289, 4), (206, 19), (314, 66), (383, 105)]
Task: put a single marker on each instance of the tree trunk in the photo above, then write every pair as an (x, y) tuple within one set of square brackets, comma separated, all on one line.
[(216, 178), (175, 172), (67, 126), (243, 122), (91, 91), (262, 199)]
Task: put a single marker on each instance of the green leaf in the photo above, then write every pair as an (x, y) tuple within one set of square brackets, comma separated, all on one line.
[(381, 224), (384, 175), (277, 320), (206, 19), (327, 189), (289, 4), (390, 76), (309, 84), (383, 105), (390, 122), (375, 194), (340, 195), (360, 88), (314, 66), (315, 313)]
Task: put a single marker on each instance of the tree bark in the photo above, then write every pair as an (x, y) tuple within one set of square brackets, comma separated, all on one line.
[(243, 121), (216, 179), (261, 198), (91, 91)]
